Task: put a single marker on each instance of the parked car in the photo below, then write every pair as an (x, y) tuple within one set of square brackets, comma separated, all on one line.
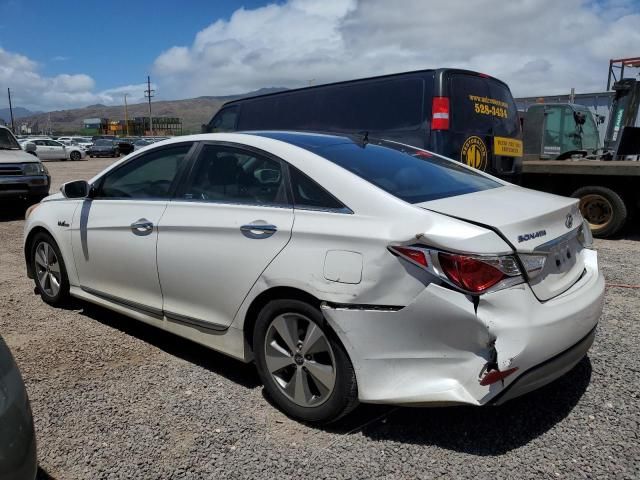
[(22, 176), (140, 143), (125, 145), (54, 150), (18, 457), (104, 147), (406, 278), (465, 115)]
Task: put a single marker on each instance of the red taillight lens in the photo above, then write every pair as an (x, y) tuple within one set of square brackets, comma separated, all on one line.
[(440, 113), (412, 254), (469, 273)]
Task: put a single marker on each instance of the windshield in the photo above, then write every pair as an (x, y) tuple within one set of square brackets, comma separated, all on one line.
[(104, 143), (590, 136), (7, 140), (408, 173)]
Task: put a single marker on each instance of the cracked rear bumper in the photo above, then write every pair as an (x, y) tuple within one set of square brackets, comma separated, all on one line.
[(434, 350)]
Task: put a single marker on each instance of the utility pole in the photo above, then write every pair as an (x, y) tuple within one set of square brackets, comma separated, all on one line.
[(149, 94), (126, 115), (13, 127)]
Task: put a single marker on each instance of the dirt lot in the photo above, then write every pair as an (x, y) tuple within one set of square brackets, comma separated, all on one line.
[(113, 398)]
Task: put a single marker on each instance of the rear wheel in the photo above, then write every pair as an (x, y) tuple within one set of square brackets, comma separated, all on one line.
[(603, 209), (49, 271), (303, 366)]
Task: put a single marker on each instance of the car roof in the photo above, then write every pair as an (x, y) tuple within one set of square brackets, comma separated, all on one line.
[(306, 140)]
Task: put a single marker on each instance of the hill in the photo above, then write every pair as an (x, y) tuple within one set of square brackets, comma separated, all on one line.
[(193, 112), (18, 112)]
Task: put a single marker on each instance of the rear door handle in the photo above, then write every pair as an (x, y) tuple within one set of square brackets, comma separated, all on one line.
[(258, 230), (142, 227)]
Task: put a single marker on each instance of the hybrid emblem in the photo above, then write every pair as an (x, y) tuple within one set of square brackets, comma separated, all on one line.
[(568, 222)]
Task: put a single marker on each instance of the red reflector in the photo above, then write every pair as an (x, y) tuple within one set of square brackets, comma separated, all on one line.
[(495, 376), (469, 273), (412, 254), (440, 113)]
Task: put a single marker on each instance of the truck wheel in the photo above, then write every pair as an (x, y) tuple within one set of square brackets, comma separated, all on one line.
[(603, 209)]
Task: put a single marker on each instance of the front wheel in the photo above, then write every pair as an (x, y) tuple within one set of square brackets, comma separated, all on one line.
[(603, 209), (303, 365), (75, 156), (49, 271)]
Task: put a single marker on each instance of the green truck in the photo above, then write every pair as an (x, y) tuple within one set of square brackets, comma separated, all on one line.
[(563, 155)]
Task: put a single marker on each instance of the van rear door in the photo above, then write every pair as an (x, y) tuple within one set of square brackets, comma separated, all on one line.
[(485, 130)]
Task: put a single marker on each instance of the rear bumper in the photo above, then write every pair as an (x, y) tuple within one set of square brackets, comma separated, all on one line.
[(435, 350), (24, 186)]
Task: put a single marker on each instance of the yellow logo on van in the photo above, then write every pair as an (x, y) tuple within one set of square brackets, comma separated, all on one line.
[(474, 153)]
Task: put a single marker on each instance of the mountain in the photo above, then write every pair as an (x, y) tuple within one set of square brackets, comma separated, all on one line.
[(18, 112), (193, 112)]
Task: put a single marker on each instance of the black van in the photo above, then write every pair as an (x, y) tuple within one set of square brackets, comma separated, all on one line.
[(461, 114)]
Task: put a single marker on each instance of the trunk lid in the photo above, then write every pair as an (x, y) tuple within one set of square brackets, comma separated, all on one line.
[(533, 223)]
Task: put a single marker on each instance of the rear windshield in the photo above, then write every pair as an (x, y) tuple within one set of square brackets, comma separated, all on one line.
[(483, 106), (410, 174)]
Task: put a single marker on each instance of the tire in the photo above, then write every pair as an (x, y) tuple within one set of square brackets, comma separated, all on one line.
[(90, 156), (44, 266), (75, 155), (603, 209), (328, 394)]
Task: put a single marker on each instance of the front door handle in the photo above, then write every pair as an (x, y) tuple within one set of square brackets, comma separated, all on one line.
[(258, 230), (142, 227)]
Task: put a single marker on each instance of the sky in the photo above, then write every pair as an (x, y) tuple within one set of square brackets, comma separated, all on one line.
[(68, 54)]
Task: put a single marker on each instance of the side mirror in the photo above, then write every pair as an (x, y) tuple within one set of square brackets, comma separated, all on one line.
[(76, 189), (29, 147)]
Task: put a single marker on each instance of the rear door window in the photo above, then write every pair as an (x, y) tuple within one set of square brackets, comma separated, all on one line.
[(482, 106)]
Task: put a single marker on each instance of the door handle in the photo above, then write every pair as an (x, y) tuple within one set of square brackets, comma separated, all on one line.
[(142, 227), (258, 230)]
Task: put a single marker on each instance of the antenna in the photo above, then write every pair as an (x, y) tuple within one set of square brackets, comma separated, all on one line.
[(149, 94)]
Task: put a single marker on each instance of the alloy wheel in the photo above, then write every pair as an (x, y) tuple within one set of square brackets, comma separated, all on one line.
[(300, 359), (48, 269)]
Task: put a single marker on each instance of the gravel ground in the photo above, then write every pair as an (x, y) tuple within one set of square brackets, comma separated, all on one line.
[(113, 398)]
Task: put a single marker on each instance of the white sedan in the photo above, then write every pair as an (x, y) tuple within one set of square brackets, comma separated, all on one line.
[(47, 149), (349, 270)]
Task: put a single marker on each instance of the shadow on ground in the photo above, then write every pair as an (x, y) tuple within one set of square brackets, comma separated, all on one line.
[(12, 211), (476, 430), (236, 371), (473, 430)]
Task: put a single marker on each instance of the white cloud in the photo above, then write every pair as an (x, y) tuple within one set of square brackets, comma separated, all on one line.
[(537, 46), (32, 90)]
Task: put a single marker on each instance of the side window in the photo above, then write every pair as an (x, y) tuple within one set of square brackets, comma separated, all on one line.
[(232, 175), (147, 177), (40, 143), (53, 143), (307, 194), (225, 121)]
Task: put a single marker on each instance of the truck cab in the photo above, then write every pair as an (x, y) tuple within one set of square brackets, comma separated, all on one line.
[(556, 131)]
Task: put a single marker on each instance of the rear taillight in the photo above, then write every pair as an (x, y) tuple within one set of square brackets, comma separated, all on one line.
[(440, 113), (473, 274), (469, 273)]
